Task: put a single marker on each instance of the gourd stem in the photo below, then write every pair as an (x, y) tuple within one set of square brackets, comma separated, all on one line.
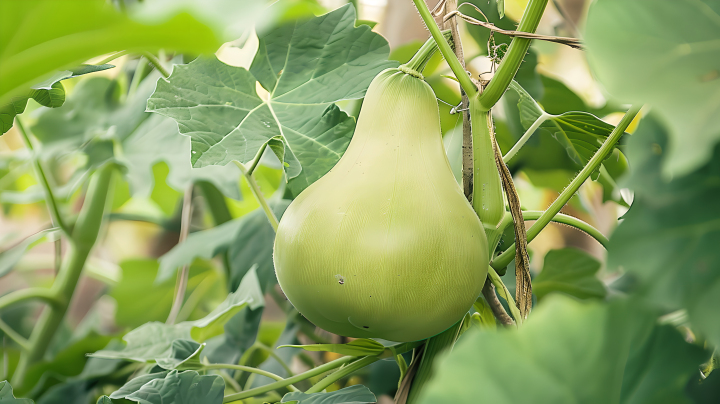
[(257, 192), (433, 347), (513, 57), (521, 142), (249, 370), (487, 189), (446, 50), (570, 221), (607, 147), (426, 51)]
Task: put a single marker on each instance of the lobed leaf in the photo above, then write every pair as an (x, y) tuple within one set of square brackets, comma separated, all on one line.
[(569, 271), (357, 394)]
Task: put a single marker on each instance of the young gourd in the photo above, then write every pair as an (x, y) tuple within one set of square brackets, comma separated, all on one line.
[(385, 245)]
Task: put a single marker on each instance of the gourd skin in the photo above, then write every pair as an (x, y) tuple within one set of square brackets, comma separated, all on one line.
[(385, 245)]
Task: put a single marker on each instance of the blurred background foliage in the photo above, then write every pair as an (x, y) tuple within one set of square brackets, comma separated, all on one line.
[(130, 278)]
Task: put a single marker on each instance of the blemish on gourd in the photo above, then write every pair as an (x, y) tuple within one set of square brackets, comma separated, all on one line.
[(340, 279)]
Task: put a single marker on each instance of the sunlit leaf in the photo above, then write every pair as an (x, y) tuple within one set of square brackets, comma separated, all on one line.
[(569, 271), (357, 347), (41, 36), (305, 66), (357, 394), (674, 42), (180, 388), (668, 240)]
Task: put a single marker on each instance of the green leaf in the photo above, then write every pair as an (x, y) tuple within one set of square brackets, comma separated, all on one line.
[(248, 239), (113, 129), (580, 133), (567, 352), (10, 257), (501, 8), (181, 388), (104, 400), (357, 394), (6, 395), (49, 93), (357, 347), (136, 383), (632, 45), (74, 392), (42, 36), (668, 240), (305, 66), (569, 271), (156, 341), (184, 354)]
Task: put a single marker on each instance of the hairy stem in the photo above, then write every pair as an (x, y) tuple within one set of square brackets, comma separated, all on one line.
[(607, 147), (349, 369), (81, 242), (513, 57), (570, 221), (50, 200), (521, 142)]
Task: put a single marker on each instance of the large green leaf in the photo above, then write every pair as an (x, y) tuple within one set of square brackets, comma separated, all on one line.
[(154, 341), (305, 66), (10, 257), (636, 46), (567, 352), (6, 395), (106, 127), (136, 383), (569, 271), (49, 93), (180, 388), (357, 394), (669, 239), (38, 37)]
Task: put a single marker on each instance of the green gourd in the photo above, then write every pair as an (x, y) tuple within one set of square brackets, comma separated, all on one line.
[(385, 245)]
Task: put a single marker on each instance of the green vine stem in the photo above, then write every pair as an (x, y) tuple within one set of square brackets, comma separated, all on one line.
[(446, 50), (290, 380), (112, 57), (156, 64), (513, 57), (570, 221), (332, 378), (503, 291), (521, 142), (259, 345), (249, 370), (44, 183), (433, 347), (13, 335), (607, 147), (184, 273), (257, 193), (426, 51), (83, 238), (487, 187), (43, 294)]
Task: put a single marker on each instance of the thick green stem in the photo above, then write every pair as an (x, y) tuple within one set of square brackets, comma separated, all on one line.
[(446, 50), (249, 370), (487, 189), (290, 380), (50, 200), (570, 221), (433, 347), (13, 335), (157, 64), (81, 242), (513, 57), (607, 147), (349, 369), (257, 192)]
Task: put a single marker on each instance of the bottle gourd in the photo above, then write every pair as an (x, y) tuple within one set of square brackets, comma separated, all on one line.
[(385, 245)]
